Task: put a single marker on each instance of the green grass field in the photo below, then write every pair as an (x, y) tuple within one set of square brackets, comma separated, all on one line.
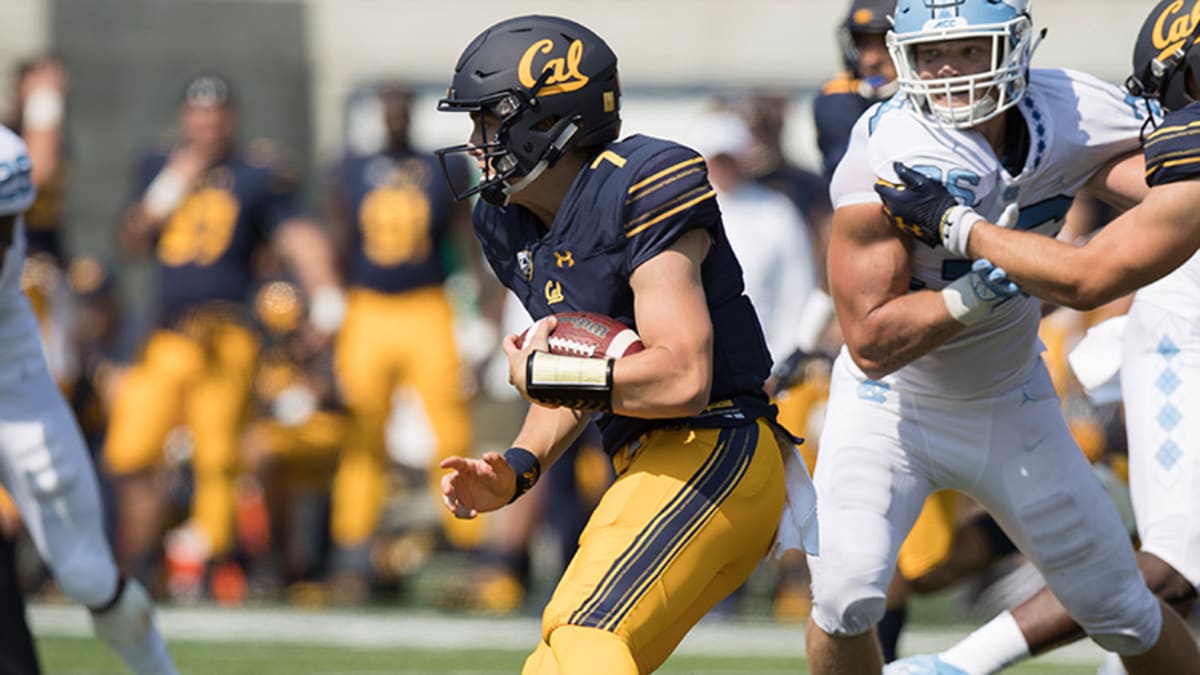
[(84, 656), (209, 640)]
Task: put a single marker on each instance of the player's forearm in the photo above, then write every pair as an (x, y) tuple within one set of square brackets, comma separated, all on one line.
[(44, 151), (548, 432), (662, 383), (1050, 269), (138, 231), (308, 253), (899, 332)]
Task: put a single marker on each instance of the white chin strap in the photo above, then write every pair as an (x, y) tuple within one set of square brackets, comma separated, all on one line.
[(556, 149)]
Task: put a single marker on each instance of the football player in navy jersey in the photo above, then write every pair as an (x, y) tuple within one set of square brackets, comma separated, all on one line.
[(869, 77), (573, 219), (203, 208), (1152, 248), (397, 225)]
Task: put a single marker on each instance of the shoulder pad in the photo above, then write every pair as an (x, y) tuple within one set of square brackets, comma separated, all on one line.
[(1173, 150), (842, 84)]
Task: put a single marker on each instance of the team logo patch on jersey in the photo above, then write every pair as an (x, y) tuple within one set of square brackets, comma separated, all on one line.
[(554, 292), (525, 264), (565, 75)]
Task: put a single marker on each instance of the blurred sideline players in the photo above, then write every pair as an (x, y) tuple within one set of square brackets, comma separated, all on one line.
[(37, 115), (395, 224), (203, 208), (869, 77), (291, 448), (766, 162)]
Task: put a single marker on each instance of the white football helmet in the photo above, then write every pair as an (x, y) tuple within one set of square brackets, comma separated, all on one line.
[(1006, 22)]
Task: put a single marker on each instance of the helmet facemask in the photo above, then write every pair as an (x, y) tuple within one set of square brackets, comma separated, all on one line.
[(522, 147), (988, 93)]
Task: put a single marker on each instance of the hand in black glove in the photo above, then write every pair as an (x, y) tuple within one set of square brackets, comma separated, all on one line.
[(920, 206)]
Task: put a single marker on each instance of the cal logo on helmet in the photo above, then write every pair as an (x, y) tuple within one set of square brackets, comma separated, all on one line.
[(565, 75), (1175, 27)]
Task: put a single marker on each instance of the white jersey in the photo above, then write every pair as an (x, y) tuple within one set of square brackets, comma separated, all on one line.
[(1178, 292), (16, 196), (1076, 124), (770, 238)]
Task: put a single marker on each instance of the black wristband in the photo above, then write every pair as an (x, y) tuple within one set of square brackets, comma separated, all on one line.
[(570, 381), (527, 467)]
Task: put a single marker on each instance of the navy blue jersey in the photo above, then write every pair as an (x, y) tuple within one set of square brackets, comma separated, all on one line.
[(1173, 150), (631, 203), (399, 207), (835, 111), (205, 249)]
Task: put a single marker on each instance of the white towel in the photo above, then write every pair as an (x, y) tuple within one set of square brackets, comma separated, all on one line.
[(798, 525), (1096, 360)]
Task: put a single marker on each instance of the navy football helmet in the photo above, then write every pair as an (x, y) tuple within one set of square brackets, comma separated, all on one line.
[(550, 83), (1165, 55), (865, 16)]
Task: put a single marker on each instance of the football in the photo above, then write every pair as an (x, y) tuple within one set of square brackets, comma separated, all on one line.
[(590, 335)]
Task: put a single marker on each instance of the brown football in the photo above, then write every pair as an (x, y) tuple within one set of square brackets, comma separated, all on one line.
[(590, 335)]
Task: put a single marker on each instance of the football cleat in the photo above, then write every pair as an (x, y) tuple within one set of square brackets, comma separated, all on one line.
[(925, 664)]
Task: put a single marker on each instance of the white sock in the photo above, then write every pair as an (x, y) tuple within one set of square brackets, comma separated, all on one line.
[(1112, 665), (147, 656), (997, 644)]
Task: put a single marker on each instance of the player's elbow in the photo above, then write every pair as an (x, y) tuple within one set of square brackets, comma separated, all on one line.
[(1088, 293), (871, 356), (873, 369), (691, 395)]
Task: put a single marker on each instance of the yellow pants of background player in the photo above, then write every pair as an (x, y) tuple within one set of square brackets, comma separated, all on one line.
[(390, 340), (208, 390), (689, 517)]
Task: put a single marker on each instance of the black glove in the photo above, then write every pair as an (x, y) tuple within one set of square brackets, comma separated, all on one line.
[(920, 206)]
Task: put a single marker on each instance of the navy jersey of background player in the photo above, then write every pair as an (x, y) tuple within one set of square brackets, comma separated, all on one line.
[(400, 206), (630, 203), (206, 248), (834, 113), (1172, 150)]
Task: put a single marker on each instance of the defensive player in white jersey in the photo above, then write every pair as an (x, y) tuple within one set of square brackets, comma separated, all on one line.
[(44, 463), (941, 385), (1160, 372)]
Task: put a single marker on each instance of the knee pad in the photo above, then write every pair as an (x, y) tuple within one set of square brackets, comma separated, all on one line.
[(849, 619), (127, 620), (86, 579), (1126, 623)]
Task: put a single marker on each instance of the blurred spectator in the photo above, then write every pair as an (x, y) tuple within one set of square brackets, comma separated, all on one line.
[(38, 114), (770, 237), (290, 448), (766, 162), (766, 230), (869, 77), (396, 224), (203, 207)]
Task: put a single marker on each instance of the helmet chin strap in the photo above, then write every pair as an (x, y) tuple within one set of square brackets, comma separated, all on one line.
[(505, 192)]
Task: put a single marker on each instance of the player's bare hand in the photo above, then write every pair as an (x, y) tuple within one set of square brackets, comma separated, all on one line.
[(537, 340), (188, 162), (476, 486), (47, 74)]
